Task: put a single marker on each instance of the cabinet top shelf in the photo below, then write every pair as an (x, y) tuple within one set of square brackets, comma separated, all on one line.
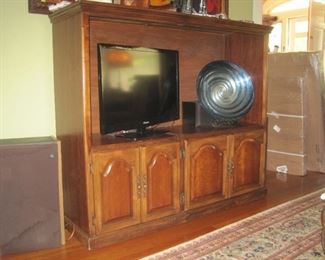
[(176, 133), (149, 16)]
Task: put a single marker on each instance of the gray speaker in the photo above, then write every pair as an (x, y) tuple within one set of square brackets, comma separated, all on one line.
[(31, 206)]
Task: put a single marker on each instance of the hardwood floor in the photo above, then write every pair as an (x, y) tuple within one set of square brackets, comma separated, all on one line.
[(280, 190)]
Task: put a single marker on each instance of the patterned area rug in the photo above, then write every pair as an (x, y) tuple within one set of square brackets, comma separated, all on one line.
[(288, 231)]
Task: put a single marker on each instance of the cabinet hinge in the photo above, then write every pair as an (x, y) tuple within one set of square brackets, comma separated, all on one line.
[(91, 168), (93, 220), (230, 167), (182, 153), (182, 198)]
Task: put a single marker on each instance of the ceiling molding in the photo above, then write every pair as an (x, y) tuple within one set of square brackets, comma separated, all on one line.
[(268, 5)]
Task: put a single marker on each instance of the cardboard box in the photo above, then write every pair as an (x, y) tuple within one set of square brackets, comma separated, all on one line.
[(286, 95), (286, 133), (294, 164), (295, 88)]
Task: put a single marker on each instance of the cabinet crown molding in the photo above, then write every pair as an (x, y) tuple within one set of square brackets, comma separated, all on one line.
[(167, 18)]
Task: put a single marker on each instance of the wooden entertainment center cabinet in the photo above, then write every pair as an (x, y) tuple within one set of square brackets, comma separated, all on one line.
[(116, 189)]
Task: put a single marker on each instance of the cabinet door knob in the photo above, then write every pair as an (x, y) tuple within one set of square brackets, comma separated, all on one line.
[(107, 170)]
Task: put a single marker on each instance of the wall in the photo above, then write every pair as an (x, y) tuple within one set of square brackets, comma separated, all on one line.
[(257, 11), (241, 9), (26, 77), (26, 69)]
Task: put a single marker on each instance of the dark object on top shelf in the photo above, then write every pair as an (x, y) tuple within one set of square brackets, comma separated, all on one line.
[(208, 7), (42, 7)]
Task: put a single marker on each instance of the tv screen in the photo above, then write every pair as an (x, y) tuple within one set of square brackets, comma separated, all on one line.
[(138, 87)]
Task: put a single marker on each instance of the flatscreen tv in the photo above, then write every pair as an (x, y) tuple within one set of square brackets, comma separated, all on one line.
[(138, 87)]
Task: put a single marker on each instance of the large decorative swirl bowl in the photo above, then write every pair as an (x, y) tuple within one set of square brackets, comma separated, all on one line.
[(225, 91)]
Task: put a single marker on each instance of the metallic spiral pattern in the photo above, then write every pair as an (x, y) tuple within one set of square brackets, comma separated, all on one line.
[(225, 90)]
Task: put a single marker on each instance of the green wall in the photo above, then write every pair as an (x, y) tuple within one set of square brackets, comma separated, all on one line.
[(26, 77), (241, 9), (26, 68)]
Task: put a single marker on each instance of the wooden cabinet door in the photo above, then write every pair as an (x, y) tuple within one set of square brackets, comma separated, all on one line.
[(116, 189), (205, 171), (160, 177), (246, 169)]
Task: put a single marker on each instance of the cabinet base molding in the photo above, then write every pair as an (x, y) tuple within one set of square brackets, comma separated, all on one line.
[(109, 238), (225, 204)]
